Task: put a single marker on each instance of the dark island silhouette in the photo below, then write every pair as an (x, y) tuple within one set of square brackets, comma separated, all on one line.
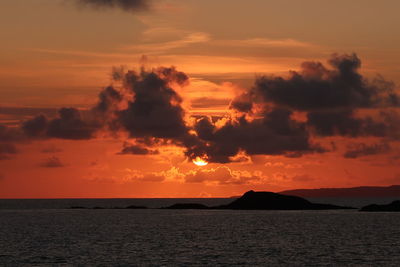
[(352, 192), (394, 206), (252, 200)]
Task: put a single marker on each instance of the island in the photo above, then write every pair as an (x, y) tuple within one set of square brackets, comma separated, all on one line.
[(394, 206), (252, 200), (352, 192)]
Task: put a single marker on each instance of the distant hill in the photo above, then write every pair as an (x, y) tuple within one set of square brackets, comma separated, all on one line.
[(263, 201), (361, 192), (252, 200), (394, 206)]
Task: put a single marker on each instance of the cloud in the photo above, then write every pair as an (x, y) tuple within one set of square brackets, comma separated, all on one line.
[(136, 150), (156, 109), (330, 97), (222, 176), (68, 125), (172, 174), (280, 164), (27, 111), (51, 149), (10, 134), (52, 162), (146, 106), (279, 177), (345, 123), (6, 150), (273, 134), (302, 178), (361, 149), (189, 39), (124, 5), (109, 98), (316, 87), (265, 42)]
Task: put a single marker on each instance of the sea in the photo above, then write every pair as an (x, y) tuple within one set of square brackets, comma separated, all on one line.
[(47, 232)]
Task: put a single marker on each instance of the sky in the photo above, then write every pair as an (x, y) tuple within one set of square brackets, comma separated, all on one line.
[(120, 98)]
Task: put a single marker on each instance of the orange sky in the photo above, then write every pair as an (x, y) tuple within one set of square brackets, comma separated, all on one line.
[(58, 54)]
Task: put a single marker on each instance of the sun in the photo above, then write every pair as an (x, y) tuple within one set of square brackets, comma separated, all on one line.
[(199, 161)]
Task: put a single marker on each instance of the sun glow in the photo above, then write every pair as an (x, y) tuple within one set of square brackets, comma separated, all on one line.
[(199, 161)]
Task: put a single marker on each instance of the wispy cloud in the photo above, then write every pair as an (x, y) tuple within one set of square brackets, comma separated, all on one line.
[(266, 42), (52, 162), (124, 5), (192, 38)]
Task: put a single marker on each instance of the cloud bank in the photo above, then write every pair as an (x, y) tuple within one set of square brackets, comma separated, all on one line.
[(124, 5), (146, 106)]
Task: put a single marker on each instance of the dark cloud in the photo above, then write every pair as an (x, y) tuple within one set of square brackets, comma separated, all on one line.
[(274, 134), (68, 125), (52, 162), (156, 109), (330, 97), (361, 149), (71, 123), (10, 134), (51, 149), (109, 98), (36, 126), (124, 5), (136, 150), (390, 122), (146, 106), (316, 87), (345, 123), (6, 150)]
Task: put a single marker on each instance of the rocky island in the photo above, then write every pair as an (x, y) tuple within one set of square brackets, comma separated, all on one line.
[(394, 206), (252, 200)]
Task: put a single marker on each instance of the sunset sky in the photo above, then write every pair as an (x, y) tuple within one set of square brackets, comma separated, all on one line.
[(117, 98)]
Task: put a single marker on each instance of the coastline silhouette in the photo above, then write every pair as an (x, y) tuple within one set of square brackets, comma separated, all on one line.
[(392, 207), (250, 200)]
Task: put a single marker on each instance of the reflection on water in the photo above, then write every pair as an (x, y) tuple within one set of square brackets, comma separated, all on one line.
[(198, 237)]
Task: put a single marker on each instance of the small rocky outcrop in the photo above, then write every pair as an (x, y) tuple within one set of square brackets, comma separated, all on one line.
[(394, 206)]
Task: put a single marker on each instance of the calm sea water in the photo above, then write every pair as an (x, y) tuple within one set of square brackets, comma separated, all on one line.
[(67, 237)]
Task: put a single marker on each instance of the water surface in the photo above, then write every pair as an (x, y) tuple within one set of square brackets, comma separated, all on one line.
[(63, 237)]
